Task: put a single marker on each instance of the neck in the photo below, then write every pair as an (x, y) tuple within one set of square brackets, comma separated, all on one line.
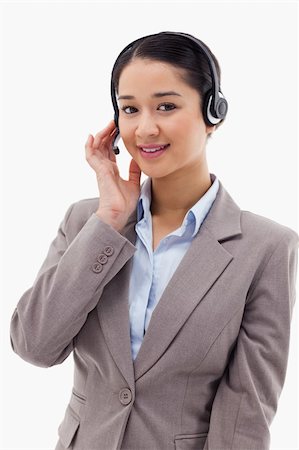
[(174, 195)]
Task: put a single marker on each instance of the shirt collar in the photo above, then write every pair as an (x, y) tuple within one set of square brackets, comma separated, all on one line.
[(195, 214)]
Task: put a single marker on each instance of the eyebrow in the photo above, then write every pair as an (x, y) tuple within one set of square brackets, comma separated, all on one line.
[(155, 95)]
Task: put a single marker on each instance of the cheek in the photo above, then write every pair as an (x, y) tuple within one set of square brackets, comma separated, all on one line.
[(184, 123), (127, 136), (182, 130), (126, 130), (192, 129)]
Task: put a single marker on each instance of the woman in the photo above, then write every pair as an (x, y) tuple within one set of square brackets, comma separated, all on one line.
[(176, 303)]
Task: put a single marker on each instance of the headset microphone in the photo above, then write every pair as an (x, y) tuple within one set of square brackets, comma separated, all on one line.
[(115, 142), (116, 137), (214, 105)]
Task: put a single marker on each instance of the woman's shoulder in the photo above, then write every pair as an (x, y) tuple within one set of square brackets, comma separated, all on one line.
[(251, 228), (83, 208), (78, 213), (264, 228)]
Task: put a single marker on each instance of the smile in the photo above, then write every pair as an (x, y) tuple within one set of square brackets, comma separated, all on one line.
[(150, 153), (153, 149)]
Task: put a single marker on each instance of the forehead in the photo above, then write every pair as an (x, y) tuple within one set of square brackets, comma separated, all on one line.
[(148, 73)]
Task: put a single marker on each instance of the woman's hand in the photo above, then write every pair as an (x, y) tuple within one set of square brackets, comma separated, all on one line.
[(118, 197)]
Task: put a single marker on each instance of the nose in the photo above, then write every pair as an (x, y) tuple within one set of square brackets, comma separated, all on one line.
[(146, 126)]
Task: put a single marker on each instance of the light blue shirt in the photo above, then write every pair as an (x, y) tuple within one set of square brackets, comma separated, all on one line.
[(151, 271)]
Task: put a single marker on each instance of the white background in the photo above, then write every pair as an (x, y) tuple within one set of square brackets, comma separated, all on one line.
[(57, 62)]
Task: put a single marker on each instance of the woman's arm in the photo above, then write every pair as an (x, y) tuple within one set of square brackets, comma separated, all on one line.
[(247, 396), (67, 287)]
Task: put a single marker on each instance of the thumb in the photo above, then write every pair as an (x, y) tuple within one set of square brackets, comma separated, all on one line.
[(134, 172)]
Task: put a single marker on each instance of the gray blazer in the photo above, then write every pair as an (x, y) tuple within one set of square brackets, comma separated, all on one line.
[(213, 360)]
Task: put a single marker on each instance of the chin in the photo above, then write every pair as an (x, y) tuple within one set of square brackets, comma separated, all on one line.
[(154, 173)]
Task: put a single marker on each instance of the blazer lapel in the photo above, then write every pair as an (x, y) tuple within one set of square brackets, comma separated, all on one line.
[(202, 264)]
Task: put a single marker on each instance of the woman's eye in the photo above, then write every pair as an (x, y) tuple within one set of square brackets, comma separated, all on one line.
[(123, 108), (169, 107), (168, 104)]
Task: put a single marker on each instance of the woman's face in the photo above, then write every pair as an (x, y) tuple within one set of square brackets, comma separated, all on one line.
[(153, 115)]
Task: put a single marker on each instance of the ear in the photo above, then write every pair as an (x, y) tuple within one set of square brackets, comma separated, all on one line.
[(210, 129)]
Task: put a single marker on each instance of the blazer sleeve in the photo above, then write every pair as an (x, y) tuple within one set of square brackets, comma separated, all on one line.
[(246, 399), (67, 287)]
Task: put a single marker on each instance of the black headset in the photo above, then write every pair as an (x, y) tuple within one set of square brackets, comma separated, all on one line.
[(214, 105)]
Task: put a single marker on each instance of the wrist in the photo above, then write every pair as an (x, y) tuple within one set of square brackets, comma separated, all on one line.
[(107, 218)]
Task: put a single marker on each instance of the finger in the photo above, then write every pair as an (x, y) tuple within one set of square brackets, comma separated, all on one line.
[(104, 133), (88, 145), (108, 144), (91, 151), (112, 155), (134, 172), (89, 139)]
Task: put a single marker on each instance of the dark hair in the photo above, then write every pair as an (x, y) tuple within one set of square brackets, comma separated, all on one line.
[(177, 50)]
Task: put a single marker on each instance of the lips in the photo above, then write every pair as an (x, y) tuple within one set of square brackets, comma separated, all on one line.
[(151, 148), (154, 145), (151, 154)]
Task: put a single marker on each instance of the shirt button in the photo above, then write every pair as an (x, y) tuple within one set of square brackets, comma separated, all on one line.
[(125, 396), (102, 258), (108, 250), (97, 267)]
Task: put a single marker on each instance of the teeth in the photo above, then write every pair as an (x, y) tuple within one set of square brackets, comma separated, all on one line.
[(152, 150)]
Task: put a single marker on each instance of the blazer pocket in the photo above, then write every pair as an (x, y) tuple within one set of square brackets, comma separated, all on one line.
[(190, 441), (68, 427)]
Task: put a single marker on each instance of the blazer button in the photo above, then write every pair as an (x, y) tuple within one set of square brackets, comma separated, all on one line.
[(102, 258), (125, 396), (97, 267), (108, 250)]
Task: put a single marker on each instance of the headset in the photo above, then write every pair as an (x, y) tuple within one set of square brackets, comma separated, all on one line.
[(215, 106)]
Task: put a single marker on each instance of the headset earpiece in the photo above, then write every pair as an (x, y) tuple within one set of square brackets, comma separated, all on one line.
[(221, 107), (213, 114)]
